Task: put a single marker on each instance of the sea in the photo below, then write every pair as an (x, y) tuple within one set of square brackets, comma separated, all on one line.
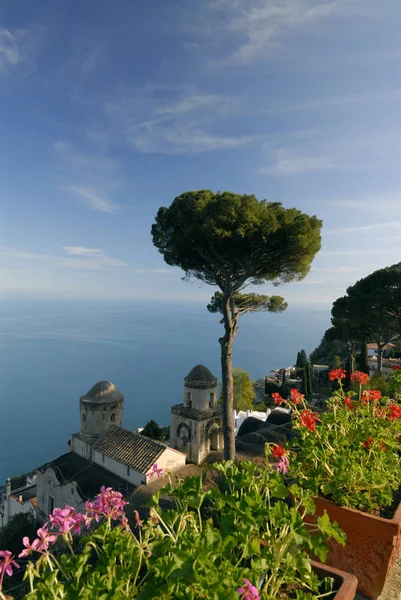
[(53, 352)]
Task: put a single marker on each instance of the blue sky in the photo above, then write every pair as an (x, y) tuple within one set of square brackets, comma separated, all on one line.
[(110, 110)]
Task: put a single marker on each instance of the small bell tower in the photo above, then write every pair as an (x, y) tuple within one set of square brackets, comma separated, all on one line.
[(196, 424)]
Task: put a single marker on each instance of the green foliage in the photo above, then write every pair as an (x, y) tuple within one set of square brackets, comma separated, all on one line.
[(302, 359), (371, 309), (17, 527), (244, 391), (351, 456), (248, 303), (230, 241), (154, 431), (307, 380), (394, 384), (249, 525), (328, 351), (222, 236), (377, 382), (363, 360)]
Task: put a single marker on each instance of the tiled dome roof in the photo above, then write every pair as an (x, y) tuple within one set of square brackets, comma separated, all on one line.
[(103, 391), (202, 375)]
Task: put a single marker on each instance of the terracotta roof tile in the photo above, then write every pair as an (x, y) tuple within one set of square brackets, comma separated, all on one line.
[(129, 448)]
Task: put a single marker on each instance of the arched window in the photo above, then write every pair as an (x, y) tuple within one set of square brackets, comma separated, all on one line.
[(189, 399), (113, 417), (211, 400), (83, 417)]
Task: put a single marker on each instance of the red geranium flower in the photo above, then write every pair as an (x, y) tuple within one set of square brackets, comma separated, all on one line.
[(296, 396), (396, 367), (361, 377), (348, 402), (308, 419), (369, 443), (394, 411), (278, 451), (380, 412), (277, 398), (382, 446), (370, 396), (337, 374)]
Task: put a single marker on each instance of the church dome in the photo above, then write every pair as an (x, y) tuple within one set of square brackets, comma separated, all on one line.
[(103, 391), (200, 376)]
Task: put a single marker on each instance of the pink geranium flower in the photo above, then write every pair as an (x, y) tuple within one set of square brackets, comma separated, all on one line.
[(249, 591), (7, 564), (29, 548), (155, 472), (45, 538)]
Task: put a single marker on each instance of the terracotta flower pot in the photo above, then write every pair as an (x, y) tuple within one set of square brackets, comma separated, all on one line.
[(346, 584), (372, 545)]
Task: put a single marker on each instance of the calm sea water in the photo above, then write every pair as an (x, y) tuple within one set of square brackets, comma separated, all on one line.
[(53, 352)]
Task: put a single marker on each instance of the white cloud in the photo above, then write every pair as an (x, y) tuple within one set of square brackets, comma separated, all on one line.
[(172, 120), (93, 200), (10, 54), (371, 227), (288, 163), (81, 250)]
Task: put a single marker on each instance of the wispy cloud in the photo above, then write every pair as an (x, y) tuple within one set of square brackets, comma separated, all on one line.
[(152, 271), (173, 120), (249, 30), (82, 251), (288, 163), (89, 258), (11, 253), (93, 200), (80, 160), (87, 167), (361, 228), (349, 253), (334, 269), (336, 101), (10, 54)]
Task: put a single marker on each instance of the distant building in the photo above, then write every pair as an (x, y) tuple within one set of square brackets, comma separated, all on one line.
[(21, 499), (196, 424), (373, 350), (388, 365)]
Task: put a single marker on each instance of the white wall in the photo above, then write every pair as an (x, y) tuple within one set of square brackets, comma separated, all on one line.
[(48, 485), (12, 506), (81, 448), (200, 397), (118, 469), (170, 460)]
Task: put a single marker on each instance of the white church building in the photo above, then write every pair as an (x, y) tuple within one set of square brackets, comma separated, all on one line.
[(101, 453)]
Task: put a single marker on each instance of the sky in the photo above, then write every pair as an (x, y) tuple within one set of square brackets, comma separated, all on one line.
[(109, 110)]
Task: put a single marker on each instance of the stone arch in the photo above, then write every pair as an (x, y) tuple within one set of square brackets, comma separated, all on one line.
[(213, 434), (187, 428)]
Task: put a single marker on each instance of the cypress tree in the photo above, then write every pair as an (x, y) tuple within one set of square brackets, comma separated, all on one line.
[(363, 362)]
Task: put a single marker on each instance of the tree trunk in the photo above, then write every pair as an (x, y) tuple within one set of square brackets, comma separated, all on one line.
[(226, 343)]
